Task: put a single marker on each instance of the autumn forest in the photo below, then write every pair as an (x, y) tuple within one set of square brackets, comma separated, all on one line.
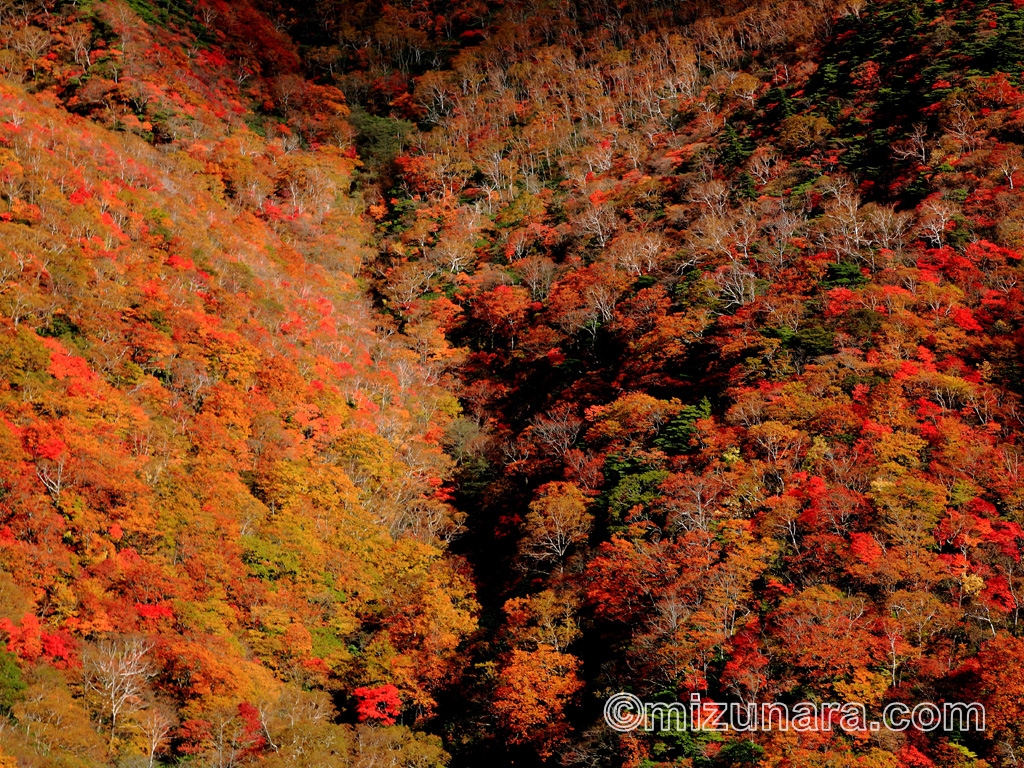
[(389, 383)]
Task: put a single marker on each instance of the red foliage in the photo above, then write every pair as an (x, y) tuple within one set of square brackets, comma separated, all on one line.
[(380, 704)]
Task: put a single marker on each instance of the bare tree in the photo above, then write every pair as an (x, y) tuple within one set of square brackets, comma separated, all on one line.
[(155, 725), (79, 37), (557, 519), (538, 273), (53, 473), (637, 252), (712, 194), (843, 229), (598, 221), (935, 216), (557, 429), (889, 227), (32, 43), (453, 252), (737, 284), (1010, 163), (762, 166), (781, 226), (961, 124), (915, 146), (116, 672), (208, 14)]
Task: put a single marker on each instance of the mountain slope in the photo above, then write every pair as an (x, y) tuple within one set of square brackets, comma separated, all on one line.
[(221, 497), (739, 289), (462, 363)]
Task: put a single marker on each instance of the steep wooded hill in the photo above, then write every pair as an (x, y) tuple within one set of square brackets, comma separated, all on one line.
[(222, 516), (377, 370), (738, 285)]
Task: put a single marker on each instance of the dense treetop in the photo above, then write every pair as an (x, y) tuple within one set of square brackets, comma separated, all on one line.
[(374, 370)]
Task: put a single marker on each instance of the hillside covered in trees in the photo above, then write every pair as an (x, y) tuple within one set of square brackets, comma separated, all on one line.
[(387, 384)]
